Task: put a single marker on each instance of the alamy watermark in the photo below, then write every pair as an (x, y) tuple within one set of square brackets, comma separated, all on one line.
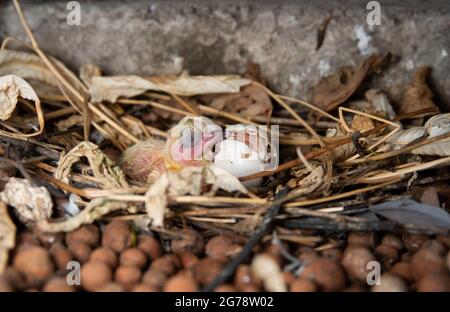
[(73, 277), (374, 16), (74, 13)]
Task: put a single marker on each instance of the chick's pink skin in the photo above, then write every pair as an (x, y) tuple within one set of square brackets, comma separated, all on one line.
[(145, 161), (191, 142), (199, 153)]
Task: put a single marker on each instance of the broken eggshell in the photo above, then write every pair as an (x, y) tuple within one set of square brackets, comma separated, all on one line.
[(246, 150)]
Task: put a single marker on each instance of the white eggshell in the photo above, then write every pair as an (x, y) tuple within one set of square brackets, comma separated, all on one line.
[(237, 158)]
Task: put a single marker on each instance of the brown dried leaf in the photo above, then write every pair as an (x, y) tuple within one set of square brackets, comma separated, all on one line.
[(73, 120), (335, 89), (418, 95), (108, 174), (307, 182), (31, 67), (113, 87), (250, 101), (7, 236), (343, 151), (376, 103), (188, 180), (88, 71), (11, 88), (31, 203), (96, 209)]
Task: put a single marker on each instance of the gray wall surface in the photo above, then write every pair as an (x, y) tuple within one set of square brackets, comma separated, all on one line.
[(218, 37)]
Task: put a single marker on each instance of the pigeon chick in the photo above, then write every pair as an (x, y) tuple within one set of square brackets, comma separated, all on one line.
[(190, 143)]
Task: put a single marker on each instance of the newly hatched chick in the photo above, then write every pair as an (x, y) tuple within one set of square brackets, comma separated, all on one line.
[(189, 143), (198, 141)]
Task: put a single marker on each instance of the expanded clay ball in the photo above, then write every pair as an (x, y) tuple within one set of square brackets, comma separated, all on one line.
[(390, 283), (288, 277), (387, 253), (307, 255), (206, 270), (333, 254), (15, 279), (303, 285), (412, 241), (181, 282), (57, 284), (128, 276), (80, 250), (244, 277), (27, 238), (167, 264), (448, 260), (225, 288), (428, 261), (355, 260), (61, 256), (144, 288), (221, 247), (434, 283), (445, 239), (88, 234), (434, 245), (5, 286), (355, 287), (117, 236), (105, 255), (150, 245), (154, 278), (367, 239), (392, 240), (326, 273), (111, 287), (188, 241), (34, 263), (188, 260), (133, 257), (95, 275), (402, 269), (274, 250)]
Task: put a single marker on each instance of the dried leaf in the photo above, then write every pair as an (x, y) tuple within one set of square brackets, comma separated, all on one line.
[(110, 88), (88, 71), (410, 212), (435, 126), (109, 175), (418, 95), (335, 89), (305, 184), (186, 181), (377, 104), (268, 270), (73, 120), (31, 67), (31, 203), (11, 88), (341, 152), (250, 101), (380, 104), (7, 236), (96, 209)]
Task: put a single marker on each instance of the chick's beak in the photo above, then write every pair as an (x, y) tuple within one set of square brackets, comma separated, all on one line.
[(197, 149)]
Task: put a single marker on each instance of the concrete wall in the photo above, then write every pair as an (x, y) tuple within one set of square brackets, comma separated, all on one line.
[(162, 37)]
